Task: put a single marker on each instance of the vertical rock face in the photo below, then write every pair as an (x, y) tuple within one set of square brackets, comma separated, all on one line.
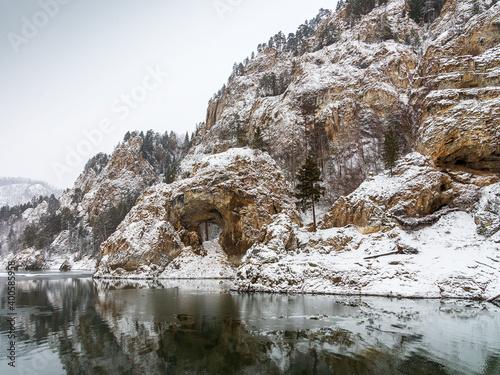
[(437, 85), (459, 88), (342, 93), (239, 190)]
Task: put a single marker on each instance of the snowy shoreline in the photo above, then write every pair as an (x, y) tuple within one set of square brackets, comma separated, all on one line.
[(452, 261)]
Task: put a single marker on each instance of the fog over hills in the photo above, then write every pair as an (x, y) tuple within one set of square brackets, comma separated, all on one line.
[(16, 190)]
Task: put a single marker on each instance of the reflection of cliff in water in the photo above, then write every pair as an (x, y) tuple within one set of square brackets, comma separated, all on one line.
[(60, 313), (186, 327), (191, 327)]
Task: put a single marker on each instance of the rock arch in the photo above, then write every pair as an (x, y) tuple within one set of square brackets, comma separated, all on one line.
[(240, 216), (240, 191)]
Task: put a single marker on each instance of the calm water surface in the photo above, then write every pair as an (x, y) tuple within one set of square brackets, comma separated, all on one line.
[(71, 324)]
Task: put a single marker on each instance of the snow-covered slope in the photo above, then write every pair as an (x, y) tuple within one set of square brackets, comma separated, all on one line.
[(15, 191), (446, 259)]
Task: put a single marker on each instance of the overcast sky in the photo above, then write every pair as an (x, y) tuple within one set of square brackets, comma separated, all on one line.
[(76, 75)]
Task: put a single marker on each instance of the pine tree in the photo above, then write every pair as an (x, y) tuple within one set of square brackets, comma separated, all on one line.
[(309, 189), (391, 149), (171, 176), (258, 142), (417, 10)]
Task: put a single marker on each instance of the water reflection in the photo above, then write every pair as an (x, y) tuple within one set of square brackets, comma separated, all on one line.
[(76, 325)]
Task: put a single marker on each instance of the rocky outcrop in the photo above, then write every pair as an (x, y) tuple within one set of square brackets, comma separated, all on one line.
[(447, 259), (342, 93), (240, 191), (437, 85), (106, 183), (417, 194), (30, 260), (458, 88), (487, 216), (415, 190)]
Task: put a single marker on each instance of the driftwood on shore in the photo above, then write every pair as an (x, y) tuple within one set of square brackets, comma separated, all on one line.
[(400, 250), (414, 223), (494, 298)]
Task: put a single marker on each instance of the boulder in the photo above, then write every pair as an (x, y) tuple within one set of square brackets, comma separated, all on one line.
[(30, 260), (65, 267), (416, 189)]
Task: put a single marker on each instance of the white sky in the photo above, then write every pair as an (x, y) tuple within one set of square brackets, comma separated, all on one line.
[(65, 66)]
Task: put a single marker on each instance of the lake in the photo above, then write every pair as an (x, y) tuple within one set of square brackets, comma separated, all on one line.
[(71, 324)]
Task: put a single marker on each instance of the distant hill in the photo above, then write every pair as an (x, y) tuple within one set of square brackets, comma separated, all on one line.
[(14, 190)]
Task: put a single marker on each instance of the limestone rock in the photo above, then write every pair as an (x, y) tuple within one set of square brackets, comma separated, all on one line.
[(446, 259), (487, 216), (240, 191), (30, 260), (65, 267), (351, 86), (276, 238), (416, 189), (459, 89), (126, 173)]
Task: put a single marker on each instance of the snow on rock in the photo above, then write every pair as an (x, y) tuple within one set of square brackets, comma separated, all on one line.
[(33, 215), (47, 259), (459, 87), (351, 86), (214, 264), (415, 190), (142, 245), (435, 251), (239, 191), (487, 216), (453, 260), (275, 238), (105, 183)]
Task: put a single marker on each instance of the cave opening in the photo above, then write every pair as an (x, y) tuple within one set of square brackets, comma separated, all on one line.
[(209, 231), (206, 221)]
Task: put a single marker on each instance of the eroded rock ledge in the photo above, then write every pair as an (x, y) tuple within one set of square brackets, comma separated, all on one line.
[(418, 194)]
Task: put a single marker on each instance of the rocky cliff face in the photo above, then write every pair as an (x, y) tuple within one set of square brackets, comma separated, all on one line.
[(417, 195), (239, 191), (441, 96), (336, 103), (105, 183), (436, 85), (458, 88)]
